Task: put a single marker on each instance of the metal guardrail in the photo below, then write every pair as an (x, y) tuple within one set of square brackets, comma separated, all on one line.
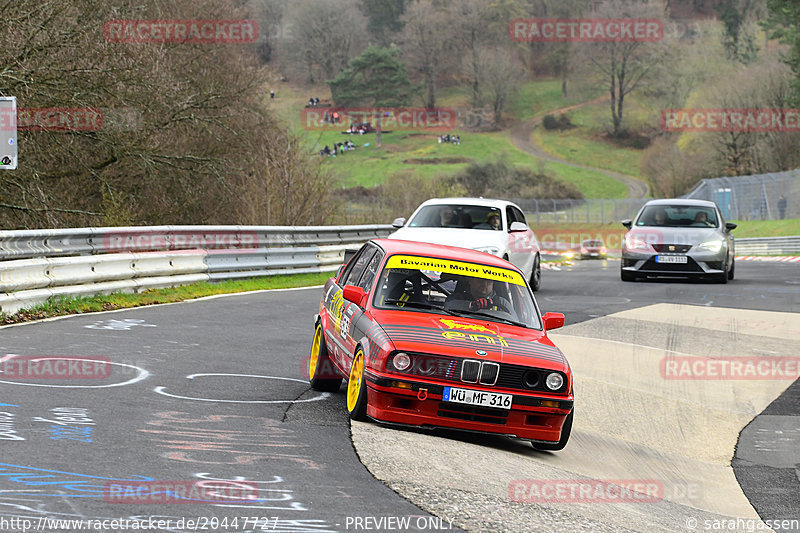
[(65, 242), (768, 246), (36, 265)]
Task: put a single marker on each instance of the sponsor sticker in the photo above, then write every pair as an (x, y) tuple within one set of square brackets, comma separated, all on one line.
[(455, 267)]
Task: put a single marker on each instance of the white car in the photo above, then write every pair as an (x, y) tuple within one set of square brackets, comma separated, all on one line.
[(496, 227)]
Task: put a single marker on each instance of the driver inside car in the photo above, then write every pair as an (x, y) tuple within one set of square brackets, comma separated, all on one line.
[(479, 294)]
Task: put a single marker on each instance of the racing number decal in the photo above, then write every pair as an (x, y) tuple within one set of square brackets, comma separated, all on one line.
[(344, 325)]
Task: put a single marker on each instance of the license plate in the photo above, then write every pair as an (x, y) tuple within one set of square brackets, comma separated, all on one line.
[(477, 397), (670, 259)]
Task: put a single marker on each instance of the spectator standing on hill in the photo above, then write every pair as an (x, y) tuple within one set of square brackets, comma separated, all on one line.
[(782, 206)]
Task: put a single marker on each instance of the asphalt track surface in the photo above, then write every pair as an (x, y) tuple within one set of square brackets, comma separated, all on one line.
[(214, 389)]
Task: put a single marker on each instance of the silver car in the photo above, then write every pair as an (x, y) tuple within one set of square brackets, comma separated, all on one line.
[(686, 238)]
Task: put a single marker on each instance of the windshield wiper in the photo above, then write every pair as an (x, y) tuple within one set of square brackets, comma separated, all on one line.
[(421, 305), (497, 318)]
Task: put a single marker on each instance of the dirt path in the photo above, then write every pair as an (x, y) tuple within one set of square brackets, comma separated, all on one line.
[(521, 137)]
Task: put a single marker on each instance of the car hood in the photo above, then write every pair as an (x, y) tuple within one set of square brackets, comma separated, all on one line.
[(464, 337), (666, 235), (460, 237)]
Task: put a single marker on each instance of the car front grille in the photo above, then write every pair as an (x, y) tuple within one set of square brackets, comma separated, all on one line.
[(470, 370), (672, 248), (473, 371)]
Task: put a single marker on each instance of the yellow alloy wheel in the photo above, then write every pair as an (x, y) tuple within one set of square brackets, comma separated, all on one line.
[(314, 359), (354, 383), (322, 373)]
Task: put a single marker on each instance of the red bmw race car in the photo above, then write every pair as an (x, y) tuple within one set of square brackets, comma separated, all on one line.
[(436, 336)]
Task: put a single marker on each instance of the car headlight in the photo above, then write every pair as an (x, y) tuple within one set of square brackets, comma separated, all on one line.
[(554, 381), (490, 250), (401, 361), (711, 246), (632, 243)]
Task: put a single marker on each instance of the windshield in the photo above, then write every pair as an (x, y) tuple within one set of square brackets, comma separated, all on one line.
[(458, 216), (678, 216), (445, 286)]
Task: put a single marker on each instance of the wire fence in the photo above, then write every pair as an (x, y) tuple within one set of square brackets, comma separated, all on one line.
[(589, 211), (760, 197)]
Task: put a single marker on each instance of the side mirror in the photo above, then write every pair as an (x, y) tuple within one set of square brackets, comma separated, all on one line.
[(517, 226), (628, 223), (399, 222), (358, 296), (731, 226), (553, 320)]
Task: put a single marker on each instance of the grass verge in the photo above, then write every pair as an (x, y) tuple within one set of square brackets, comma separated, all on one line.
[(92, 304), (587, 144)]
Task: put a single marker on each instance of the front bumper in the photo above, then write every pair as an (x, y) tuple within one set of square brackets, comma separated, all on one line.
[(697, 264), (421, 405)]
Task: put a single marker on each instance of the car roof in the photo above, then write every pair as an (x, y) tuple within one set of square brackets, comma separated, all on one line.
[(399, 246), (489, 202), (681, 201)]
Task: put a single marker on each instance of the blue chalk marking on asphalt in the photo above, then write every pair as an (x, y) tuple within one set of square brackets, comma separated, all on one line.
[(36, 477), (8, 405)]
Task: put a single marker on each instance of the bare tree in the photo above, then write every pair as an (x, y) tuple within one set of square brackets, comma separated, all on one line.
[(269, 15), (477, 24), (557, 56), (427, 44), (500, 75), (183, 132), (623, 66), (324, 36), (762, 85)]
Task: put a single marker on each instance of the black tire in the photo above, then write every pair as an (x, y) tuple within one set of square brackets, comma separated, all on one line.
[(320, 367), (357, 388), (733, 267), (627, 276), (566, 430), (536, 275)]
